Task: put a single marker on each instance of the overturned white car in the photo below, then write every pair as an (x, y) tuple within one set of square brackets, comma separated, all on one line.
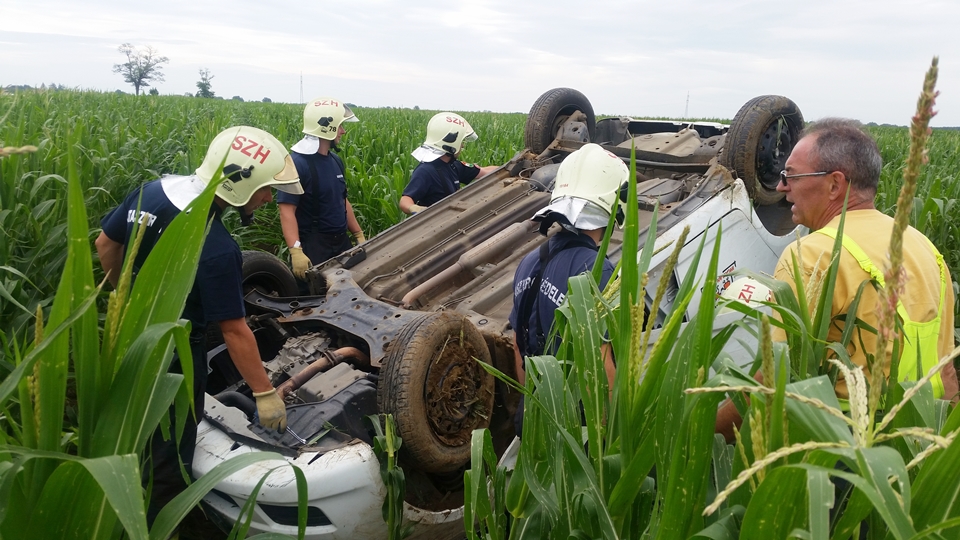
[(395, 324)]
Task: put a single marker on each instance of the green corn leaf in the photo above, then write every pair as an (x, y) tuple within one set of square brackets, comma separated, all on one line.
[(779, 505), (815, 423), (878, 467), (142, 391), (936, 491), (727, 526)]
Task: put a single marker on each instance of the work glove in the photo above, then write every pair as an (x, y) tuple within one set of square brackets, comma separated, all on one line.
[(299, 261), (271, 410), (359, 237), (414, 208)]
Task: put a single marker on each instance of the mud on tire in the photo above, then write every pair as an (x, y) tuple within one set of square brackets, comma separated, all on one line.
[(550, 111), (435, 390), (760, 139)]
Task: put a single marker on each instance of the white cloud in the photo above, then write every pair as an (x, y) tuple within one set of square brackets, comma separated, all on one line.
[(863, 59)]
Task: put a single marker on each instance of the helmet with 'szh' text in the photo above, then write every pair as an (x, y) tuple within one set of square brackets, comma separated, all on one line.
[(747, 290), (446, 134), (252, 159), (322, 117)]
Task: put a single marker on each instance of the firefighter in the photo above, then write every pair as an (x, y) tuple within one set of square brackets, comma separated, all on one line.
[(588, 183), (315, 224), (254, 164), (440, 172)]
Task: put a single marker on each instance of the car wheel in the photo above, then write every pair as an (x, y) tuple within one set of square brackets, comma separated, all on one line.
[(760, 139), (264, 272), (550, 111), (268, 274), (436, 391)]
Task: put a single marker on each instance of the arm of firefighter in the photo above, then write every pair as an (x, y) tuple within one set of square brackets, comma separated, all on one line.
[(242, 347), (487, 170), (518, 362), (353, 225), (609, 366), (950, 387), (288, 223), (728, 416), (111, 257), (407, 206)]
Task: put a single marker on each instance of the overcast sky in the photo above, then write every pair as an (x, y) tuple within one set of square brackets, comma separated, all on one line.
[(862, 59)]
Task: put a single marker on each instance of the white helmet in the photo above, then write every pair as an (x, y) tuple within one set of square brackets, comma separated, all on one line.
[(446, 134), (252, 159), (588, 182), (747, 290), (322, 117)]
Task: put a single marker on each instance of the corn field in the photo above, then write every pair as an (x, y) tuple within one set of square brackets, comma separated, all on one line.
[(125, 141), (570, 481)]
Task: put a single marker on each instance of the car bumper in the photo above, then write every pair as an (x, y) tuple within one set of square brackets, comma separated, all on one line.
[(344, 490)]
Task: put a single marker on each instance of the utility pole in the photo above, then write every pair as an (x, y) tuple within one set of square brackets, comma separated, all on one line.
[(687, 108), (301, 88)]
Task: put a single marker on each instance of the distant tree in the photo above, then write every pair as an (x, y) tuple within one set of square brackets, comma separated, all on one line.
[(267, 100), (237, 98), (203, 85), (154, 92), (143, 66)]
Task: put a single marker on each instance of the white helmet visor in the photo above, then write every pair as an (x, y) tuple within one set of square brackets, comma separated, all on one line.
[(309, 144), (426, 154), (581, 213)]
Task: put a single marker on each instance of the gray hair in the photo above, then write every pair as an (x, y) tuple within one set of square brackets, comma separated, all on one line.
[(842, 145)]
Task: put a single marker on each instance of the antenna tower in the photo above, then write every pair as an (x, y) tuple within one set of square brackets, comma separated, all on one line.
[(687, 108)]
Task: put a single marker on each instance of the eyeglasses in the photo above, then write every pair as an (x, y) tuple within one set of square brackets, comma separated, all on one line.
[(784, 176)]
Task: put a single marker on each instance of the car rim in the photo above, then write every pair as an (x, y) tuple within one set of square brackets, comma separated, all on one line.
[(775, 145)]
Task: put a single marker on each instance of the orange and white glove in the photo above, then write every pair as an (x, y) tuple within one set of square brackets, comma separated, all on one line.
[(359, 237), (299, 261), (271, 410)]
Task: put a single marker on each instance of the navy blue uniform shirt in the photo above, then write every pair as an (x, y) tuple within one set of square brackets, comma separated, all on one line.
[(217, 292), (323, 206), (567, 261), (431, 182)]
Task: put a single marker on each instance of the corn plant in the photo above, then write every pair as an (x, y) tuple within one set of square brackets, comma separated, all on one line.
[(386, 444)]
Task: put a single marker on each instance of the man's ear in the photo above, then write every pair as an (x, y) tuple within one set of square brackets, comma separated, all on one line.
[(837, 184)]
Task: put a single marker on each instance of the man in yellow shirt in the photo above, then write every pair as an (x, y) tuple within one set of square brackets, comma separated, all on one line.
[(834, 155)]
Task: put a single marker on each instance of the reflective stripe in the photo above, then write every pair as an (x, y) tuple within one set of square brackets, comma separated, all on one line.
[(921, 339)]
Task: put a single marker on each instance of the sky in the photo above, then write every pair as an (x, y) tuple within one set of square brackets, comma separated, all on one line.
[(684, 58)]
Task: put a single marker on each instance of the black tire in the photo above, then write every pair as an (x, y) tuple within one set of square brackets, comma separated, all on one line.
[(435, 390), (550, 111), (264, 272), (268, 274), (760, 139)]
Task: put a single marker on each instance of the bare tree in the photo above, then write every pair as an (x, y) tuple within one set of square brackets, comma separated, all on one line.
[(143, 65)]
